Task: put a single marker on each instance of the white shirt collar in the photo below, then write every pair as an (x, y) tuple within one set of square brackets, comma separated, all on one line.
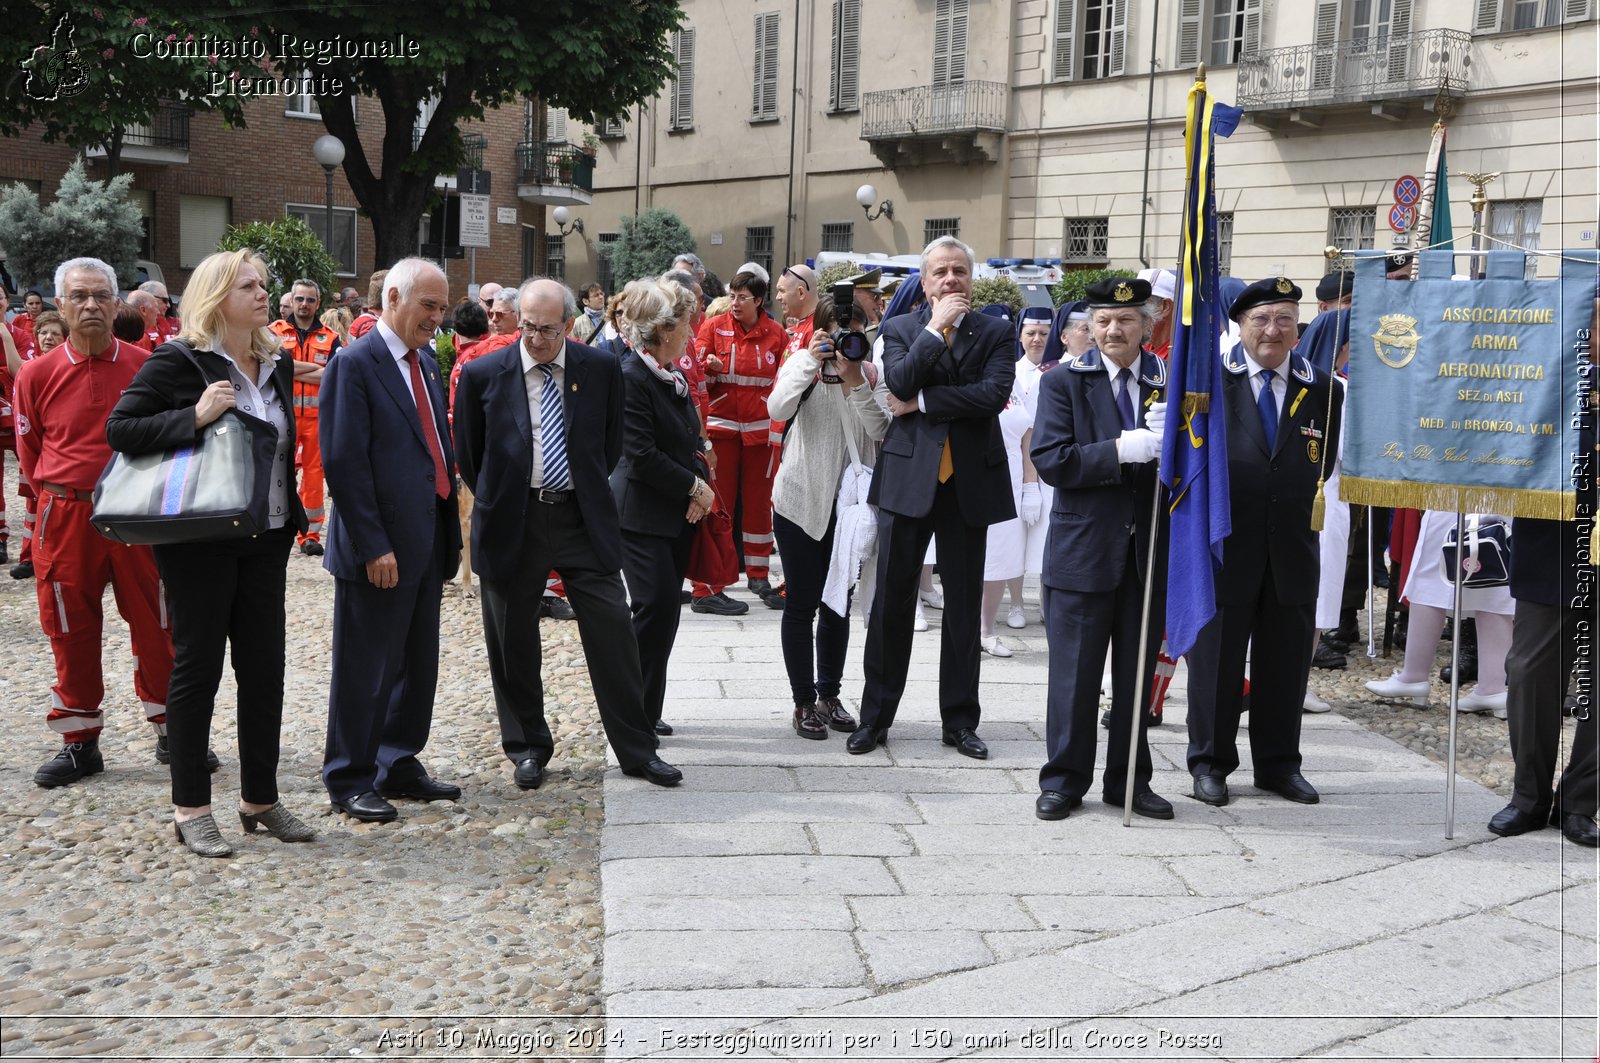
[(559, 361), (398, 348), (1255, 368)]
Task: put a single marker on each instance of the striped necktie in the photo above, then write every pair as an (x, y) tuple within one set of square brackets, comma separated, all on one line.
[(947, 468), (553, 433)]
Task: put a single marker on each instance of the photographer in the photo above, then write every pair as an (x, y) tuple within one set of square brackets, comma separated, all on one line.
[(834, 425)]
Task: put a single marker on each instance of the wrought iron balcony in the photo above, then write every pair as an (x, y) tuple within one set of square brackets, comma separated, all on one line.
[(1366, 70), (555, 173), (163, 138), (935, 123)]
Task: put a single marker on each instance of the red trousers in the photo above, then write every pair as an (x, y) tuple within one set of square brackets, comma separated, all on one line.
[(308, 456), (744, 473), (72, 565)]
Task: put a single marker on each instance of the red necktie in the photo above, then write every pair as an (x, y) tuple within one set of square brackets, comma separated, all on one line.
[(419, 391)]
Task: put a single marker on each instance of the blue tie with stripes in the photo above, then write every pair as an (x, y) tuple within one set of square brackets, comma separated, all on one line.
[(553, 433)]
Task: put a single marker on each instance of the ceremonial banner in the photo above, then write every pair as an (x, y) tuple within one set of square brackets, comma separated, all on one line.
[(1194, 458), (1464, 394)]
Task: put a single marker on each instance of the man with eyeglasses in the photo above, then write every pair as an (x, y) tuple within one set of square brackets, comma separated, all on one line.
[(742, 351), (1280, 424), (538, 431), (166, 324), (310, 343), (62, 401)]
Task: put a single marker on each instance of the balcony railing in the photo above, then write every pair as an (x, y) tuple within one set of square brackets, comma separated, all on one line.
[(554, 172), (168, 127), (1374, 70), (934, 110)]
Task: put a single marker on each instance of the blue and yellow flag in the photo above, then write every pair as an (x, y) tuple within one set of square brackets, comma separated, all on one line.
[(1194, 457)]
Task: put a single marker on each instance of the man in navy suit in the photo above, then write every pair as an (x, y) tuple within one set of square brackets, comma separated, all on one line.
[(1095, 439), (393, 541), (538, 429), (942, 474)]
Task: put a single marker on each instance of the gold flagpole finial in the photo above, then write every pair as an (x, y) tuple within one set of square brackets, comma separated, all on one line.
[(1200, 74)]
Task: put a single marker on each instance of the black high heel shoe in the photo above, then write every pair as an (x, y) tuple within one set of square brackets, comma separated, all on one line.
[(278, 822), (202, 837)]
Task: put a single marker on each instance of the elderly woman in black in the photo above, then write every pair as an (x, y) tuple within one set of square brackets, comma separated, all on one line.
[(660, 483), (227, 590)]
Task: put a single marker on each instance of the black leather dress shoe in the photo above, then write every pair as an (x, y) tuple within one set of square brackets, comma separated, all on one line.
[(1293, 787), (164, 754), (864, 739), (837, 716), (1579, 829), (967, 743), (1212, 789), (1146, 803), (529, 774), (1053, 804), (656, 771), (422, 788), (1328, 657), (1511, 821), (367, 807), (662, 727)]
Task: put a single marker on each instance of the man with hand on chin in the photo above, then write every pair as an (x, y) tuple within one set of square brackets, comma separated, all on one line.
[(942, 475), (1096, 440)]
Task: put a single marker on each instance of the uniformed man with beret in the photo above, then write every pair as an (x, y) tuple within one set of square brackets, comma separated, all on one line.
[(1280, 423), (1096, 438)]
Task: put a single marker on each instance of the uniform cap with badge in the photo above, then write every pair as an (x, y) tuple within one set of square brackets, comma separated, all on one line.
[(1263, 293), (1116, 292)]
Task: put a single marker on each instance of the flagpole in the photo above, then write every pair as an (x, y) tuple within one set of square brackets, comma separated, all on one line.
[(1140, 711)]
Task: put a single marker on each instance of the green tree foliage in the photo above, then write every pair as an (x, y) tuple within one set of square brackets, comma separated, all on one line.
[(84, 73), (87, 217), (839, 271), (291, 251), (987, 291), (1071, 286), (647, 245)]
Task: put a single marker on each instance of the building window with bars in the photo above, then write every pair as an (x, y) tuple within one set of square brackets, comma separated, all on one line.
[(680, 117), (764, 82), (606, 276), (1225, 243), (1517, 221), (838, 236), (1352, 229), (758, 246), (844, 59), (933, 228), (1087, 241), (555, 256), (1090, 39)]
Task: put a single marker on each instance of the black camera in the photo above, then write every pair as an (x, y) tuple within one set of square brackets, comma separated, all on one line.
[(849, 342)]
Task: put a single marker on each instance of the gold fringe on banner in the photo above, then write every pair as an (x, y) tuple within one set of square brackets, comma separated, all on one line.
[(1452, 498), (1196, 402)]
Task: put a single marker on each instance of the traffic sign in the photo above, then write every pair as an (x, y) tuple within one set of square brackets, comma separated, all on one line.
[(1407, 191), (474, 221), (1402, 217)]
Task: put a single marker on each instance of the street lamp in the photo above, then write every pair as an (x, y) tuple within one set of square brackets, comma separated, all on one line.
[(329, 153), (560, 216), (865, 195)]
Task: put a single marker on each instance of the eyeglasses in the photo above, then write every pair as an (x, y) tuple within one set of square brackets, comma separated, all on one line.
[(84, 298), (741, 297), (1284, 322), (549, 333)]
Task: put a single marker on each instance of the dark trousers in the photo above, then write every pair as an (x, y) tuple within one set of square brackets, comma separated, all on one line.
[(1544, 648), (221, 593), (902, 544), (655, 567), (805, 572), (385, 674), (553, 536), (1277, 637), (1079, 625)]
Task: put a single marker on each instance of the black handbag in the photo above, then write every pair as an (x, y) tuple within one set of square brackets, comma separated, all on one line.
[(1485, 559), (200, 491)]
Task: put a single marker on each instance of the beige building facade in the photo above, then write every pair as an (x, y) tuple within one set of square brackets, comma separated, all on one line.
[(1054, 128)]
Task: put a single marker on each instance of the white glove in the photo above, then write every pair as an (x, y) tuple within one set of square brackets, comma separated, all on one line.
[(1032, 504), (1155, 418), (1135, 446)]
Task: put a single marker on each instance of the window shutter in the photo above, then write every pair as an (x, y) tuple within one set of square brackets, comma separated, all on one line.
[(958, 42), (1061, 64), (836, 55), (1120, 17), (1325, 44), (1400, 40), (683, 88), (1486, 19), (941, 42), (768, 45), (1188, 33), (1577, 11), (849, 97), (1252, 29), (555, 124)]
